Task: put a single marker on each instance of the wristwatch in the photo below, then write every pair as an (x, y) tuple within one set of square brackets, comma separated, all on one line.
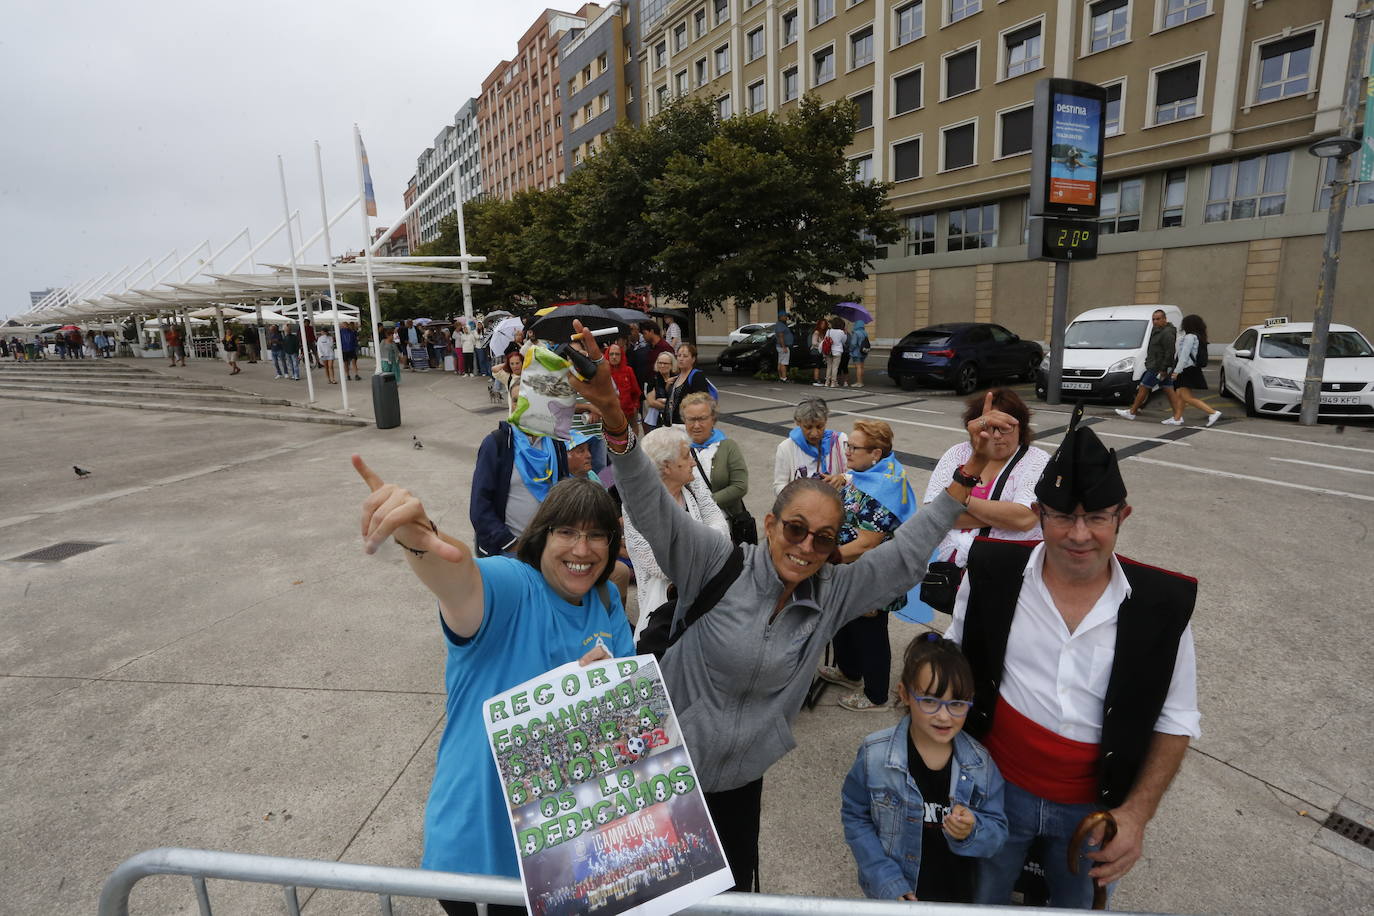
[(964, 480)]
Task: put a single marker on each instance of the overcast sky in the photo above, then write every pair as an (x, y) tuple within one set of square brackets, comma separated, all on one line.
[(129, 129)]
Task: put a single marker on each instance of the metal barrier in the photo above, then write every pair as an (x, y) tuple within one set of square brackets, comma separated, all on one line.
[(385, 883)]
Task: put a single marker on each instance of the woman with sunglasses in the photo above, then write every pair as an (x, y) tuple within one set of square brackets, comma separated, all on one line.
[(739, 674), (503, 620)]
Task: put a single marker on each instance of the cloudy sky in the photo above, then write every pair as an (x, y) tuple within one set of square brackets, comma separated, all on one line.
[(133, 128)]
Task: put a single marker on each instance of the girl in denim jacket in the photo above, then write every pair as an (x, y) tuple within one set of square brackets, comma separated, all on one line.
[(923, 800)]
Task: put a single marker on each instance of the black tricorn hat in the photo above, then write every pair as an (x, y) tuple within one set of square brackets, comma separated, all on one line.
[(1082, 472)]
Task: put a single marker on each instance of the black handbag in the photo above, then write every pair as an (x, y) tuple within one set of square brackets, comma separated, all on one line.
[(941, 583)]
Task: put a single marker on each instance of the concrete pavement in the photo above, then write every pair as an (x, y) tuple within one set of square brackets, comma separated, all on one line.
[(229, 671)]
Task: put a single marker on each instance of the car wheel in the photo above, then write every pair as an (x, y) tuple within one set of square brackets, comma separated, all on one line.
[(1221, 386), (1250, 410), (966, 380), (907, 382), (1032, 369)]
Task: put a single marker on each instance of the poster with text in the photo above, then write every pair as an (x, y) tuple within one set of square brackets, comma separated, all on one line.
[(605, 806), (1075, 126)]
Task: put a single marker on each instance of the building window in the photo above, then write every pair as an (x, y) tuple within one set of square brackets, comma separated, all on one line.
[(1247, 188), (1120, 206), (679, 36), (789, 84), (660, 55), (823, 10), (1176, 92), (699, 21), (1107, 24), (1175, 195), (1016, 131), (961, 72), (962, 9), (864, 102), (1285, 67), (1177, 12), (959, 145), (1023, 50), (910, 23), (701, 72), (722, 59), (789, 27), (906, 159), (1360, 193), (863, 168), (823, 66), (723, 107), (722, 11), (920, 234), (1113, 117), (601, 65), (681, 81), (861, 48), (972, 227), (754, 46), (906, 92), (757, 98), (660, 95)]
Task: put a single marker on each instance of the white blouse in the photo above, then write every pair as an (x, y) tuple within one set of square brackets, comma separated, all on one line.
[(1020, 488)]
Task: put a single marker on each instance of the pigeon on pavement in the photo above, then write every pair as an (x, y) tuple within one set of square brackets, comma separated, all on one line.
[(415, 441), (81, 472)]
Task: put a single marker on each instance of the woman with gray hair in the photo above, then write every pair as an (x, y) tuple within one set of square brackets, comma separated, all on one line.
[(810, 450), (668, 448)]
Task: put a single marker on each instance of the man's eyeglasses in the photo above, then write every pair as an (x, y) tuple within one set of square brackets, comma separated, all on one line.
[(796, 532), (1097, 521), (566, 537), (931, 705)]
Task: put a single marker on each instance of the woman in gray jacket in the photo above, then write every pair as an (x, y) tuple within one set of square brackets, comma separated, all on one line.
[(738, 675)]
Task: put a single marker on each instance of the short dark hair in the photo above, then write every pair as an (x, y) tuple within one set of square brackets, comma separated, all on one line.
[(1007, 401), (949, 669), (572, 503), (650, 326)]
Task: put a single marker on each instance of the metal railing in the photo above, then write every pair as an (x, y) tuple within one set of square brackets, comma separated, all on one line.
[(385, 883)]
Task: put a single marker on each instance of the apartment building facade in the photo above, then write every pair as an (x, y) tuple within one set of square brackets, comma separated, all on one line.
[(1211, 201), (601, 81), (520, 111)]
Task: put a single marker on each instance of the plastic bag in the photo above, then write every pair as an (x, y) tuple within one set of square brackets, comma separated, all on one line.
[(545, 406)]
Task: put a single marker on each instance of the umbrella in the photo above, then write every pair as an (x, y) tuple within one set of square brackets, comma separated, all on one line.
[(629, 316), (423, 321), (558, 324), (497, 313), (853, 311), (545, 310), (504, 334), (69, 327), (679, 314)]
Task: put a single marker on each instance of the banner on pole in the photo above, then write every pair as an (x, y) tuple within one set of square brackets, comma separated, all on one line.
[(604, 803), (1367, 145), (368, 194)]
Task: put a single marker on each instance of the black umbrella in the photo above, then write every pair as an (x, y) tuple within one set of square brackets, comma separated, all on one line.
[(557, 326), (629, 316), (679, 314)]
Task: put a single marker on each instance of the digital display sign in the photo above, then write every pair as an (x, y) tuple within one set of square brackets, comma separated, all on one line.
[(1063, 239), (1067, 148)]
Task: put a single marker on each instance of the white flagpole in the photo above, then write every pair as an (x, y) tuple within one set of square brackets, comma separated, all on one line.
[(367, 254), (329, 267), (296, 282)]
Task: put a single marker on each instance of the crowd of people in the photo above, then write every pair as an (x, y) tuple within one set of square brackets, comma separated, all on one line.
[(1065, 683)]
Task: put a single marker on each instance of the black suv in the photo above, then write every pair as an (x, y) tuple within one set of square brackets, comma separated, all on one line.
[(759, 352)]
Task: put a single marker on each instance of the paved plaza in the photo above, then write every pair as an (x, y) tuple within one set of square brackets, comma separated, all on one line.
[(227, 670)]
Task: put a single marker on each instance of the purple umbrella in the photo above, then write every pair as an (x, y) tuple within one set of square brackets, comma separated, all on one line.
[(853, 311)]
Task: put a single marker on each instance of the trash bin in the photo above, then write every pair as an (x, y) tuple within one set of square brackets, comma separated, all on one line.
[(386, 401)]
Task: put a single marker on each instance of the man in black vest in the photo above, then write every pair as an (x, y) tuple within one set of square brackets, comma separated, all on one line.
[(1086, 677)]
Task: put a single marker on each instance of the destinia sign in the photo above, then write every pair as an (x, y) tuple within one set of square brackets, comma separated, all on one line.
[(1066, 148)]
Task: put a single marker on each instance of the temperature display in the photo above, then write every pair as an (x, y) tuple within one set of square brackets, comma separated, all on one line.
[(1063, 239)]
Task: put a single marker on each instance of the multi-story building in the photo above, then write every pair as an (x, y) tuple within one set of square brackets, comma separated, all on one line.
[(38, 295), (457, 142), (601, 81), (412, 191), (520, 112), (1210, 200)]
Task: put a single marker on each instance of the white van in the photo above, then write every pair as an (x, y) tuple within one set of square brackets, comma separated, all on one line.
[(1104, 353)]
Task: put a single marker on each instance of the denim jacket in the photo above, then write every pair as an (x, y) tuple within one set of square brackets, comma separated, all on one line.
[(883, 813)]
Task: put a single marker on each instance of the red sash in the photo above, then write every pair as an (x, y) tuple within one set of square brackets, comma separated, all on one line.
[(1043, 763)]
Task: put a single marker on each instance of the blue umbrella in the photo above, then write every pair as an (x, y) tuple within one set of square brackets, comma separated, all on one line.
[(853, 311)]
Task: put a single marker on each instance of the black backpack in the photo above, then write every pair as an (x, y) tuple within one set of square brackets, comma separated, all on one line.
[(658, 634), (1200, 358)]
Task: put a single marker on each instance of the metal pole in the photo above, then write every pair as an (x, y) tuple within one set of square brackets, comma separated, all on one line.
[(367, 255), (296, 283), (329, 267), (1058, 316), (1335, 220)]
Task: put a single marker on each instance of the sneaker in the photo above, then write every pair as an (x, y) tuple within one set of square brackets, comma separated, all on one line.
[(1124, 414), (835, 676), (857, 702), (1213, 417), (276, 376), (856, 386), (1172, 421), (818, 384)]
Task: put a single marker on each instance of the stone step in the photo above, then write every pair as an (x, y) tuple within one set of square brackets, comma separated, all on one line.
[(147, 381), (130, 390), (73, 365), (303, 416)]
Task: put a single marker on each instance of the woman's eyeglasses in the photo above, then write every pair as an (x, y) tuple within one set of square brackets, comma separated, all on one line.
[(566, 537), (796, 532), (931, 705)]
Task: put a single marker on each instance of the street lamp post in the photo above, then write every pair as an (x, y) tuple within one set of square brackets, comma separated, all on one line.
[(1337, 148)]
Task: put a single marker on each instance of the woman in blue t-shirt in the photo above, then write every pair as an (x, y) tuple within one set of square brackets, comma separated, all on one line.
[(504, 620)]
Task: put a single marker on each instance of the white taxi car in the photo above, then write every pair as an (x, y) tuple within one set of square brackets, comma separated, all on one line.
[(1265, 366)]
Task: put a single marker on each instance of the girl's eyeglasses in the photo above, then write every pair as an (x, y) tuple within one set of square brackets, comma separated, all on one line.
[(796, 532), (931, 705)]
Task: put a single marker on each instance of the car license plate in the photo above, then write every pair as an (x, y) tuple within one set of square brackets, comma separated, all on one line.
[(1340, 399), (1076, 386), (913, 355)]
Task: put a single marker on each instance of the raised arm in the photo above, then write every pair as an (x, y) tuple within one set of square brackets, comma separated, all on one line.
[(444, 564)]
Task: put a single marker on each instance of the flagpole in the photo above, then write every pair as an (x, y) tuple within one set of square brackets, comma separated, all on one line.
[(367, 250), (296, 282), (329, 267)]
